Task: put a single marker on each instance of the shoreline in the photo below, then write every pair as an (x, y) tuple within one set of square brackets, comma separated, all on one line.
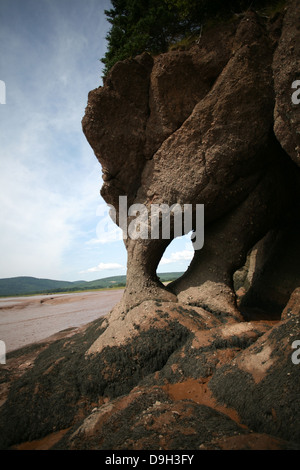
[(30, 319), (42, 294)]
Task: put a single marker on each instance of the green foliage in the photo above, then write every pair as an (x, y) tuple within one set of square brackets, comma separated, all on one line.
[(30, 285), (152, 25), (138, 26)]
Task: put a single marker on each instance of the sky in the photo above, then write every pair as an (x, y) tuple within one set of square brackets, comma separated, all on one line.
[(54, 223)]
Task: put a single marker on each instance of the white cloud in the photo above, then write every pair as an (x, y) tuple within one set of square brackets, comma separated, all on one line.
[(103, 267), (185, 255), (50, 178), (37, 225), (106, 230)]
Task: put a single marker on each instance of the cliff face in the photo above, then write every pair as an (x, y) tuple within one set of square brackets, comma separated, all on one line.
[(213, 125), (208, 362)]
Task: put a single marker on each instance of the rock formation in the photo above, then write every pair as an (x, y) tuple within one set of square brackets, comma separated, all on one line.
[(207, 361), (210, 119)]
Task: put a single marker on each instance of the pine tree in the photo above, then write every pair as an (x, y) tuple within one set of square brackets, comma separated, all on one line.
[(151, 25)]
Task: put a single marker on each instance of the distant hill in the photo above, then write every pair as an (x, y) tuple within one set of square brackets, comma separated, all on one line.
[(25, 285)]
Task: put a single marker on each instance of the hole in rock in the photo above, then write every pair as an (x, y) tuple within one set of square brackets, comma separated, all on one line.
[(176, 259)]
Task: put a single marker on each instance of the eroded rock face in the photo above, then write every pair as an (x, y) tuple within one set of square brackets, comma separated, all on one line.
[(115, 122), (266, 372), (286, 66), (197, 127)]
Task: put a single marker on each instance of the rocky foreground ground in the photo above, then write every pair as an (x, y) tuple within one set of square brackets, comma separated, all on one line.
[(163, 376)]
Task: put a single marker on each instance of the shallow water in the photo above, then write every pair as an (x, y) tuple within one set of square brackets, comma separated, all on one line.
[(26, 320)]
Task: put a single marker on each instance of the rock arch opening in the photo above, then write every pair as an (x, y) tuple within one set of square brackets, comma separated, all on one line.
[(176, 259)]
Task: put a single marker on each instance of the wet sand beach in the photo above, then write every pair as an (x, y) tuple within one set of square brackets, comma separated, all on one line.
[(26, 320)]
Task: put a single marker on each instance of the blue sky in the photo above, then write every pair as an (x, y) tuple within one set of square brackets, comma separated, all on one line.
[(53, 219)]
